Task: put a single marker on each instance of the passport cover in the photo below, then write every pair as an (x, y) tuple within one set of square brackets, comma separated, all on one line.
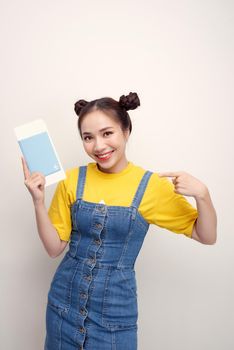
[(39, 154)]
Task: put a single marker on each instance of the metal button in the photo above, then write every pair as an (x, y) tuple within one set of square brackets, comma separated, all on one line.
[(82, 329), (92, 261), (83, 312), (88, 278), (97, 241), (98, 225), (83, 295)]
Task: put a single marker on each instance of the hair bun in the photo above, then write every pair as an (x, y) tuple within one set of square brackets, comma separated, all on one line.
[(79, 105), (131, 101)]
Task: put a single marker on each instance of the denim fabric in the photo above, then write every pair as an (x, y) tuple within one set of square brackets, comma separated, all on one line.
[(92, 301)]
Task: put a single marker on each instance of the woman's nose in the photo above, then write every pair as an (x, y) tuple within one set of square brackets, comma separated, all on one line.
[(99, 145)]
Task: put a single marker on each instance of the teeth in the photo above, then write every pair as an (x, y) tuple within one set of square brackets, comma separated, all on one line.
[(104, 155)]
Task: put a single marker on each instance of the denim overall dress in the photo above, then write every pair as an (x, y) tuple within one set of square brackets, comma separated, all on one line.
[(92, 301)]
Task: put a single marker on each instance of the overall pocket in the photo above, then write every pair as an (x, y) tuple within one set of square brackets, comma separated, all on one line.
[(74, 243), (59, 294), (53, 328), (120, 307)]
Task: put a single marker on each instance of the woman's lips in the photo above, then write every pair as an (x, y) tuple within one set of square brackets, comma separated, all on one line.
[(104, 156)]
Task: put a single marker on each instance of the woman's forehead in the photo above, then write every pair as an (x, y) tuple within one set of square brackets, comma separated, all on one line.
[(98, 120)]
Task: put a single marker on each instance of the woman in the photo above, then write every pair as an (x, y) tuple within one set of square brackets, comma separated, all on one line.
[(104, 210)]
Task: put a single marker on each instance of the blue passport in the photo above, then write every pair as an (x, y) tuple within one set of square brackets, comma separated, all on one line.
[(39, 154)]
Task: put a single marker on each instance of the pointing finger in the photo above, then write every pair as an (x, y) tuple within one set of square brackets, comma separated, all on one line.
[(25, 169), (169, 174)]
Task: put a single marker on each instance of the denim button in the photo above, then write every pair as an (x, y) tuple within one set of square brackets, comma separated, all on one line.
[(83, 312), (97, 241), (98, 225), (91, 261), (88, 278), (82, 329), (83, 295)]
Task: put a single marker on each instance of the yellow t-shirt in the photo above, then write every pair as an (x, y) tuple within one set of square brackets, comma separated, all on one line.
[(160, 205)]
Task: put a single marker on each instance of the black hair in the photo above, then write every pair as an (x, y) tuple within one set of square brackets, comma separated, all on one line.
[(115, 109)]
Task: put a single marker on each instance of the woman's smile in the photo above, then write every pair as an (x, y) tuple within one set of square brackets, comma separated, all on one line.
[(104, 156)]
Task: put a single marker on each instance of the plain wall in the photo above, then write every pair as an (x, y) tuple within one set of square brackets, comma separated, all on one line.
[(178, 56)]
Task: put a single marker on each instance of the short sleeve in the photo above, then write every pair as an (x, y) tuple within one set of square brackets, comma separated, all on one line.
[(167, 209), (59, 211)]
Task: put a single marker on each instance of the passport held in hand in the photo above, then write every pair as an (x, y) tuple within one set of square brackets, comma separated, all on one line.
[(39, 152)]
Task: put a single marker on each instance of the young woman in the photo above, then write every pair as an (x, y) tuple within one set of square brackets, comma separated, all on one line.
[(104, 210)]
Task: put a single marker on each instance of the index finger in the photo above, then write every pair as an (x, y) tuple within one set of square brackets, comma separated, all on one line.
[(170, 174), (25, 169)]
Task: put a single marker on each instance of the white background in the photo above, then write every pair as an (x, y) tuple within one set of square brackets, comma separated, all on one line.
[(178, 56)]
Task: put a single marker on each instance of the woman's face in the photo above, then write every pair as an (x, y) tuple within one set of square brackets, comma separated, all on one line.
[(104, 141)]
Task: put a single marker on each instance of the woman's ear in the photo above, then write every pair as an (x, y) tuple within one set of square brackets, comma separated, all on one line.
[(127, 134)]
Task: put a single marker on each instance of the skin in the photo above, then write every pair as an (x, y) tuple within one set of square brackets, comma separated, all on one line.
[(51, 241), (102, 134), (205, 227)]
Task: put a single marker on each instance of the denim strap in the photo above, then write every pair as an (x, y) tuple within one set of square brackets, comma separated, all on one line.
[(141, 189), (81, 182)]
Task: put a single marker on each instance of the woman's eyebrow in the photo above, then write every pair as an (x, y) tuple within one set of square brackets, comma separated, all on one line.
[(101, 130)]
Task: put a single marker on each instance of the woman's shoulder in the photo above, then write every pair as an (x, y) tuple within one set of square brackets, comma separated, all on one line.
[(143, 169), (74, 171), (71, 172), (155, 181), (71, 176)]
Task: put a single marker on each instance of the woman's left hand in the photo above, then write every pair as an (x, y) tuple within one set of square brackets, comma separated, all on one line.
[(186, 184)]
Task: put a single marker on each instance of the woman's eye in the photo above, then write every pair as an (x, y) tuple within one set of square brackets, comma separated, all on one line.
[(107, 133), (87, 138)]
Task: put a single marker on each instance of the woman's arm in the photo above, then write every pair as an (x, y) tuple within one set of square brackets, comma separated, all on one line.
[(47, 233), (205, 227), (36, 185)]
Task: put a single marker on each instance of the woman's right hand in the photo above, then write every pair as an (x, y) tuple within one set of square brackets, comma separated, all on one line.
[(35, 183)]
